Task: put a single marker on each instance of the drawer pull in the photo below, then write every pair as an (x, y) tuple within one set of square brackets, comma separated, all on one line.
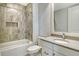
[(53, 54)]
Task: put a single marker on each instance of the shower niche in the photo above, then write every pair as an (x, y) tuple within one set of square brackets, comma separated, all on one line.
[(11, 24)]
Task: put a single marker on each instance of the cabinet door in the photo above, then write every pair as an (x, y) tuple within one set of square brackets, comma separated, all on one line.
[(57, 54), (39, 42), (65, 51), (61, 20), (45, 44), (47, 48), (46, 51)]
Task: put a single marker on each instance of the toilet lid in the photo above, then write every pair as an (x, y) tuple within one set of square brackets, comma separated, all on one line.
[(32, 48)]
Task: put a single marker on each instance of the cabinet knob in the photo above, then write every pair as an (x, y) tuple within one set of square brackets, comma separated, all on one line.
[(46, 53), (53, 54)]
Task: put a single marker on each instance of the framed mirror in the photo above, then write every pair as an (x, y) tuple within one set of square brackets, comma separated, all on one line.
[(66, 17)]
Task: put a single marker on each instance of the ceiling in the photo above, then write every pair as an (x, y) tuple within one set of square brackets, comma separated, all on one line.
[(58, 6), (24, 4)]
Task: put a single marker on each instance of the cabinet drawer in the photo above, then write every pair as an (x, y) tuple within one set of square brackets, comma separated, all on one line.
[(65, 51), (47, 51), (46, 44), (58, 54)]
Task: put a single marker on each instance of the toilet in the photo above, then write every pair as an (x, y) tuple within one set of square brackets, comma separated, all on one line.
[(34, 50)]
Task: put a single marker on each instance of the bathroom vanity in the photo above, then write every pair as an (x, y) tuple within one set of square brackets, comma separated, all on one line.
[(54, 46), (66, 20)]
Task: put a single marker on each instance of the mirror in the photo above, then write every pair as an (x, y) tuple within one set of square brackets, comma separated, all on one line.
[(61, 21), (66, 17)]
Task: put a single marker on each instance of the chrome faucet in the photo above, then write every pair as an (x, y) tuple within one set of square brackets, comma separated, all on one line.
[(63, 35)]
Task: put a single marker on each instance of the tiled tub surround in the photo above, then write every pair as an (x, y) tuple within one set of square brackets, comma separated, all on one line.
[(13, 22), (29, 25)]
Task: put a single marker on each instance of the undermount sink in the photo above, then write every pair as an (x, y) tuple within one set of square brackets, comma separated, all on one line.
[(61, 41)]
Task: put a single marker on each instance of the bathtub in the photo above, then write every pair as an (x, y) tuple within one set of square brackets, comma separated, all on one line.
[(15, 48)]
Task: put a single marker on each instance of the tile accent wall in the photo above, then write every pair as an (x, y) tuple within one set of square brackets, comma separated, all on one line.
[(13, 22), (29, 25)]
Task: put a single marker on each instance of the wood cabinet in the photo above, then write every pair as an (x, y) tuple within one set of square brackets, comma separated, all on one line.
[(51, 49), (57, 54), (47, 48), (65, 51), (47, 51)]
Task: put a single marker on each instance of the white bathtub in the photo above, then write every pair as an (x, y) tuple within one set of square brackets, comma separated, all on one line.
[(15, 48)]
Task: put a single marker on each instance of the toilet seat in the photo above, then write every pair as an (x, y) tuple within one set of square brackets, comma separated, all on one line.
[(33, 49)]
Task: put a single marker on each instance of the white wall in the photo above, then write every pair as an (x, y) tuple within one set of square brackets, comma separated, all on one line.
[(43, 22), (35, 21), (52, 17), (45, 19), (58, 6)]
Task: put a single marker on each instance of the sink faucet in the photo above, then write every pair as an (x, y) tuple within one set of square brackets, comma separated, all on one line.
[(63, 35)]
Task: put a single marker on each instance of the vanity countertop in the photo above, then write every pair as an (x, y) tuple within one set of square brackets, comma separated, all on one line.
[(71, 44)]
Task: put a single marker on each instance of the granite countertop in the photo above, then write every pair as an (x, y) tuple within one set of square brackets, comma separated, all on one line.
[(71, 44)]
